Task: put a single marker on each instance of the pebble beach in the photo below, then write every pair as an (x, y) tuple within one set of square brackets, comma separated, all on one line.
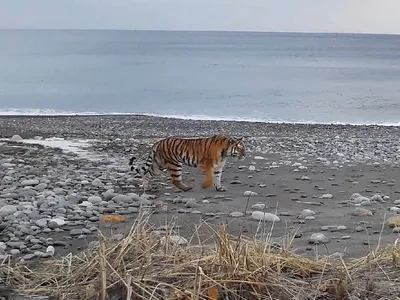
[(319, 189)]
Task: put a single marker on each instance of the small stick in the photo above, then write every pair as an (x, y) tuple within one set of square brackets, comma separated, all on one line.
[(103, 274), (129, 287)]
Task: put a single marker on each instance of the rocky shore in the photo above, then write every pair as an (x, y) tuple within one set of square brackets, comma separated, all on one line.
[(322, 189)]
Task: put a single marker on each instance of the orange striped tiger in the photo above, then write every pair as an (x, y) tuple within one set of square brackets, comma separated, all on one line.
[(209, 154)]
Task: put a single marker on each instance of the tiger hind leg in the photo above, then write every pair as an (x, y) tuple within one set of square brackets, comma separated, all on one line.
[(208, 172), (175, 172)]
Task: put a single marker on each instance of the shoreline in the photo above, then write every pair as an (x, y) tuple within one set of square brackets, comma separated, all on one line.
[(197, 119)]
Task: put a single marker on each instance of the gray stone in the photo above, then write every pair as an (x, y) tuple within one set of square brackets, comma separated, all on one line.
[(7, 210), (42, 223), (41, 187), (3, 246), (108, 195), (15, 252), (97, 183), (30, 182), (15, 245), (95, 199), (191, 203), (318, 238), (75, 232), (28, 256), (122, 199)]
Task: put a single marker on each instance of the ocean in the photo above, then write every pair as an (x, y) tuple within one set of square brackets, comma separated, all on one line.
[(272, 77)]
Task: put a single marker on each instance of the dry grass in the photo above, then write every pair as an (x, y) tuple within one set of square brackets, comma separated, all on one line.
[(141, 266)]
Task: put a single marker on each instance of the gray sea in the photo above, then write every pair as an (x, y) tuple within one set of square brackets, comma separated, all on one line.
[(275, 77)]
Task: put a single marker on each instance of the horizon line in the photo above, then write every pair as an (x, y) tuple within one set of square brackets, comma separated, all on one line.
[(198, 30)]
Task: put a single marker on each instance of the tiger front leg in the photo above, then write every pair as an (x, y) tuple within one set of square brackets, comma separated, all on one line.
[(217, 176), (217, 180), (175, 172)]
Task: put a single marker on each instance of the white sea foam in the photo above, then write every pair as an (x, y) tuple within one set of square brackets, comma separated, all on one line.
[(73, 146), (51, 112), (80, 147)]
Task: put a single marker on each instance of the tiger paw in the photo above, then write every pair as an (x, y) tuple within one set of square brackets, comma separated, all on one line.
[(220, 188), (206, 185)]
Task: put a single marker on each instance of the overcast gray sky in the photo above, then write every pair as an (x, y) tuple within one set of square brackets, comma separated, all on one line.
[(366, 16)]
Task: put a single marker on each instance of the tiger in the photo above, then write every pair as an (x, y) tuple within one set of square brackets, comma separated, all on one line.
[(209, 154)]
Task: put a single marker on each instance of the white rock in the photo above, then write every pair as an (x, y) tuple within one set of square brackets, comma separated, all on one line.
[(258, 157), (50, 250), (377, 198), (264, 216), (326, 196), (307, 212), (355, 196), (252, 168), (147, 196), (236, 214), (175, 239), (366, 202), (395, 208), (360, 199), (258, 206), (16, 138), (86, 204), (60, 222), (249, 193)]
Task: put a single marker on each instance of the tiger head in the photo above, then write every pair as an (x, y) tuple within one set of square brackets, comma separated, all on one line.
[(237, 148)]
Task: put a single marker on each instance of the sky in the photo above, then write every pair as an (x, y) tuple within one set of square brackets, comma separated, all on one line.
[(355, 16)]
